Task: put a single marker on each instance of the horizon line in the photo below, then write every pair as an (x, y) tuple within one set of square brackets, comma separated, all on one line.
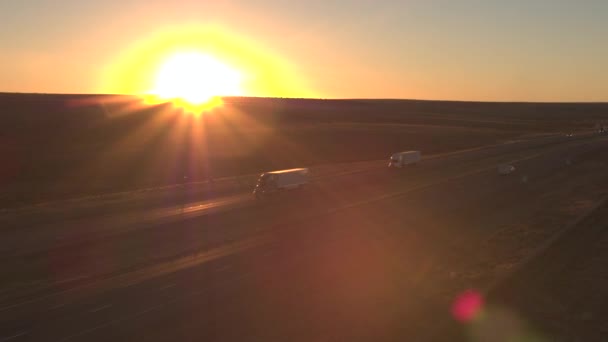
[(321, 98)]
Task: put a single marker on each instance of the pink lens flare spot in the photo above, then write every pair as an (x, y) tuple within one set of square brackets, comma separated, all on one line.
[(467, 305)]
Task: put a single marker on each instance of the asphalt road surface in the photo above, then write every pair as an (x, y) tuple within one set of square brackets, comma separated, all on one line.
[(365, 253), (562, 292)]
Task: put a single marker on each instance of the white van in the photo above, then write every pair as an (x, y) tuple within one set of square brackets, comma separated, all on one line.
[(402, 159), (278, 181)]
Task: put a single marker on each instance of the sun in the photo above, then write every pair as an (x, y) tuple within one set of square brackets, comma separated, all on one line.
[(195, 79)]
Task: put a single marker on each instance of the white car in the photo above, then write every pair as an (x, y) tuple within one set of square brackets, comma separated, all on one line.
[(505, 169)]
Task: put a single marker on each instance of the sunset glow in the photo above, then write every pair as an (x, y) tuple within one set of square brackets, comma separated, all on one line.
[(193, 66), (195, 78)]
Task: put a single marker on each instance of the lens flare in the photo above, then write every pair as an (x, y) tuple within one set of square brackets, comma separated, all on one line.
[(467, 306)]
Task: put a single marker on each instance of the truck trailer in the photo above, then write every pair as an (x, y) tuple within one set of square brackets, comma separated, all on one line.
[(274, 182), (401, 159)]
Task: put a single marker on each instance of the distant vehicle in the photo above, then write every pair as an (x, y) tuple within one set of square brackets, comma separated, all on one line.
[(401, 159), (505, 169), (602, 130), (570, 135), (273, 182)]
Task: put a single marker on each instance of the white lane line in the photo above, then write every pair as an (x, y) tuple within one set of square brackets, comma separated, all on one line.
[(109, 323), (103, 307), (58, 306), (156, 270), (189, 208), (8, 338), (67, 280), (146, 311)]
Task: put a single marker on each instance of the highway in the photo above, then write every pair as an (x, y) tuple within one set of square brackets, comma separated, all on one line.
[(365, 254), (564, 307)]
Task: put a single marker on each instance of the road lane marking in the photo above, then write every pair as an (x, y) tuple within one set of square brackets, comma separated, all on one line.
[(145, 219), (70, 279), (19, 334), (155, 270), (148, 310), (202, 206), (109, 323), (546, 245), (156, 307), (103, 307), (167, 287), (379, 164), (58, 306), (423, 186)]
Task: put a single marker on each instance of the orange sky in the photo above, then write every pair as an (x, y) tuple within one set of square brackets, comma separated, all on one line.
[(514, 51)]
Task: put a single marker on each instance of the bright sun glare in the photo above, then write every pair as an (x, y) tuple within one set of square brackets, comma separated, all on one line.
[(196, 79)]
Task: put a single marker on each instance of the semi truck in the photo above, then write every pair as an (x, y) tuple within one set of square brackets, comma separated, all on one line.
[(275, 182), (401, 159)]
